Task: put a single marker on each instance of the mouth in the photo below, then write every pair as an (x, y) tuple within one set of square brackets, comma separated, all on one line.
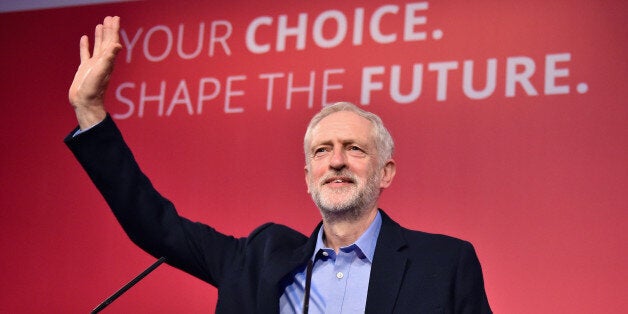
[(338, 180)]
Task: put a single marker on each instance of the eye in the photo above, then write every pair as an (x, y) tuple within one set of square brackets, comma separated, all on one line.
[(355, 150), (320, 151)]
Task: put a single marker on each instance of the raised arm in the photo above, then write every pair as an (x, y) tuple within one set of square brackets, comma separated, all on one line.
[(90, 82), (149, 219)]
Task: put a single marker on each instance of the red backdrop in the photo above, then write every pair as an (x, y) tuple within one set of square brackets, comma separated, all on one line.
[(509, 118)]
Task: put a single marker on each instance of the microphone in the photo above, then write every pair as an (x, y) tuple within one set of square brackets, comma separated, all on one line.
[(128, 286), (308, 283)]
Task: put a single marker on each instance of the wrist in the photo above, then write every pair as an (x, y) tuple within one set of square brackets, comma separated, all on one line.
[(88, 117)]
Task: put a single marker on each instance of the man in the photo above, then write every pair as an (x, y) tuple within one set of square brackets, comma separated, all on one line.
[(357, 260)]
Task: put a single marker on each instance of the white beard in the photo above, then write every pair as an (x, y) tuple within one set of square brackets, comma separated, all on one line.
[(345, 203)]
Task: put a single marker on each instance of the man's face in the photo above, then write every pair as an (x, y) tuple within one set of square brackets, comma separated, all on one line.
[(343, 173)]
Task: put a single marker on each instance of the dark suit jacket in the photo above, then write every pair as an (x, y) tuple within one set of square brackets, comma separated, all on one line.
[(412, 271)]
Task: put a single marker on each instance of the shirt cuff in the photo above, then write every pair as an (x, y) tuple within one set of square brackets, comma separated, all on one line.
[(79, 131)]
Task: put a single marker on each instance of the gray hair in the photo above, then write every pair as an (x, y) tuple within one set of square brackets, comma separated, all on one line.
[(383, 140)]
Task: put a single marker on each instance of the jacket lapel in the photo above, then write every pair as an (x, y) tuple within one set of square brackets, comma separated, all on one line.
[(277, 268), (388, 269), (387, 272)]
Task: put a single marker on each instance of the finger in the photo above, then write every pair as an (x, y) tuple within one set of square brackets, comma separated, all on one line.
[(111, 37), (84, 48), (115, 29), (97, 38)]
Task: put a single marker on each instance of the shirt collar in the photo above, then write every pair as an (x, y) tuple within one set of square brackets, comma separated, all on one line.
[(366, 242)]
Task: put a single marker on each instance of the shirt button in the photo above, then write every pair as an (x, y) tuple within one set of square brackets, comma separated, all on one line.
[(339, 275), (325, 253)]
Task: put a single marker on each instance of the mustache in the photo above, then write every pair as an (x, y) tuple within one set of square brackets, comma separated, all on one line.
[(344, 174)]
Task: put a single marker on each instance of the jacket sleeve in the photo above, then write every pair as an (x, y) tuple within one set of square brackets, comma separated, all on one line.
[(149, 219), (470, 295)]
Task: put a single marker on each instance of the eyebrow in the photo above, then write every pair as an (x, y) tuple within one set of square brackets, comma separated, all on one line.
[(343, 142)]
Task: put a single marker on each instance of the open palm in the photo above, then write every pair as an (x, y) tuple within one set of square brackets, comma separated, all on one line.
[(90, 82)]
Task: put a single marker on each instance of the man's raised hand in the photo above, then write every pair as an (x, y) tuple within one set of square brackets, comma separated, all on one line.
[(88, 89)]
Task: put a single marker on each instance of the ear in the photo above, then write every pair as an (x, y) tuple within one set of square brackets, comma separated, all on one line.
[(388, 173), (307, 181)]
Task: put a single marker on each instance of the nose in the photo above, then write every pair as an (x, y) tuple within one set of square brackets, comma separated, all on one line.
[(337, 160)]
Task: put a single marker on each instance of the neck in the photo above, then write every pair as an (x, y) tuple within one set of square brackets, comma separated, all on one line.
[(342, 232)]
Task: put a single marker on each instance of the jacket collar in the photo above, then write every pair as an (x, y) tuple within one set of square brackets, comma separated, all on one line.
[(387, 271), (280, 266)]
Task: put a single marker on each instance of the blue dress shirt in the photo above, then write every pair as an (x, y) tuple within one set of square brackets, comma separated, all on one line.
[(340, 280)]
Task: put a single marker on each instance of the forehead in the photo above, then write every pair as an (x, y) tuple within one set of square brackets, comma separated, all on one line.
[(342, 126)]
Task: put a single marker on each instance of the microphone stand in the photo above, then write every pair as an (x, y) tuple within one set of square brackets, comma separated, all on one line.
[(128, 286)]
